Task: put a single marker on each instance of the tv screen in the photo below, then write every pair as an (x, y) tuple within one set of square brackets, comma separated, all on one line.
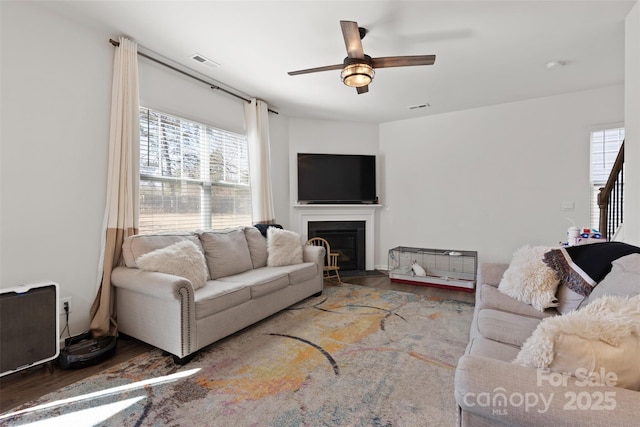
[(336, 178)]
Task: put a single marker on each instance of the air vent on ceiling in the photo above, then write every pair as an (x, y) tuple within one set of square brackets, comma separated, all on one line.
[(204, 60), (417, 107)]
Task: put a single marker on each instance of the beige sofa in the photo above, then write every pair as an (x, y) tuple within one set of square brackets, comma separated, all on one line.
[(166, 310), (491, 390)]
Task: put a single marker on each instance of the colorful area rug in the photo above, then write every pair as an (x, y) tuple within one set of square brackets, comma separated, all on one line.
[(354, 356)]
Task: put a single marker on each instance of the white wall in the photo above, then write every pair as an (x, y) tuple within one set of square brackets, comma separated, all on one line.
[(171, 92), (491, 179), (632, 127), (55, 114)]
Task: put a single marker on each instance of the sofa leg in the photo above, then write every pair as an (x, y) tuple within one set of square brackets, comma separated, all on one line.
[(183, 360), (317, 294)]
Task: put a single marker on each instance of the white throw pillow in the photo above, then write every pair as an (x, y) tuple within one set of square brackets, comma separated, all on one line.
[(600, 338), (284, 247), (529, 279), (182, 259)]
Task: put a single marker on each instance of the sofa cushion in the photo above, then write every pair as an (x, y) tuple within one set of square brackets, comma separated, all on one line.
[(260, 281), (284, 247), (226, 252), (598, 340), (217, 296), (140, 244), (507, 328), (257, 246), (182, 259), (298, 273), (582, 267), (480, 346), (301, 272), (488, 296), (529, 279)]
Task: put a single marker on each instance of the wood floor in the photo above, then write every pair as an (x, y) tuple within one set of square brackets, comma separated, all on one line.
[(29, 384)]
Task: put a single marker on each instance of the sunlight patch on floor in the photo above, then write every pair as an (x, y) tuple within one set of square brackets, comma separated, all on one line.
[(102, 393), (87, 417)]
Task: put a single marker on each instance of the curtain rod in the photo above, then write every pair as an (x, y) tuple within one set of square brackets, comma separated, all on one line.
[(144, 55)]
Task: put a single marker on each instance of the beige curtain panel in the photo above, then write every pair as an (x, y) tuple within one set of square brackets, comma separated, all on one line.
[(121, 212), (257, 120)]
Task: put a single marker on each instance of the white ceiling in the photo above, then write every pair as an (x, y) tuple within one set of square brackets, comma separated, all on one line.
[(488, 52)]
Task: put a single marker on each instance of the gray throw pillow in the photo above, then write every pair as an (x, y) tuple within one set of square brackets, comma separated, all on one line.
[(623, 280), (226, 252), (257, 246)]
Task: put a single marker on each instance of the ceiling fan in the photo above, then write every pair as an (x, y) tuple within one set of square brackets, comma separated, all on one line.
[(358, 68)]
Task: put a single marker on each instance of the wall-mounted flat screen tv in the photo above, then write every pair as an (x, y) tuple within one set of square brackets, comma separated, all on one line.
[(336, 178)]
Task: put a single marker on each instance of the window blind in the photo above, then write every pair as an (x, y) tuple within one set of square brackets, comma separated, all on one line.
[(605, 145), (192, 176)]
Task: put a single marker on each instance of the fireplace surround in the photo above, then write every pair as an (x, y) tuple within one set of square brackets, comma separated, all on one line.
[(325, 213)]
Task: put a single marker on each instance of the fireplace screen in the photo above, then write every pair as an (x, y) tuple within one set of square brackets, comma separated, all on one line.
[(346, 238)]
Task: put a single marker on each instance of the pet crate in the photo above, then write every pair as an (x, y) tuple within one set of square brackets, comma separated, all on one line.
[(444, 268)]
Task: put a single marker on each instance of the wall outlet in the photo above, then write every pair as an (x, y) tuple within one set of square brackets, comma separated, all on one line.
[(64, 301)]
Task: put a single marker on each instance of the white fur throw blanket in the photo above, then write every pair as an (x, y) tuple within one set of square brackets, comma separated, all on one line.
[(602, 337)]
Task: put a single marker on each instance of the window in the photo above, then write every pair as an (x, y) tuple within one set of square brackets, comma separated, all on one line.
[(605, 145), (192, 176)]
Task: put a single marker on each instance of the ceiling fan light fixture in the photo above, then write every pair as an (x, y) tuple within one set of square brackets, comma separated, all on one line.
[(357, 72)]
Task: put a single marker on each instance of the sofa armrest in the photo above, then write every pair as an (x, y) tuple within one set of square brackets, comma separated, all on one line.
[(509, 394), (490, 273), (156, 308), (151, 283), (311, 253)]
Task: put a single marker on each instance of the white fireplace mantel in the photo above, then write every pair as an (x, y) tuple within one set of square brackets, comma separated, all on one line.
[(320, 212)]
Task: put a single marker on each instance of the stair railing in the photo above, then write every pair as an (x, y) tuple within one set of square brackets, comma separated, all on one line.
[(610, 198)]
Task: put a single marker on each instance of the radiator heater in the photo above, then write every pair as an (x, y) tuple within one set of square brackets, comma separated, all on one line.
[(28, 326)]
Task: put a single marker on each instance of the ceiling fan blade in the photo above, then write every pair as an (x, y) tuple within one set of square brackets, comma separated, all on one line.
[(352, 40), (362, 89), (403, 61), (317, 69)]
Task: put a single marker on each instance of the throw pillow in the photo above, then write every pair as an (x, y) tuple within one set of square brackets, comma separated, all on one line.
[(139, 244), (598, 343), (582, 267), (568, 300), (284, 247), (623, 280), (257, 246), (529, 280), (226, 251), (182, 259)]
